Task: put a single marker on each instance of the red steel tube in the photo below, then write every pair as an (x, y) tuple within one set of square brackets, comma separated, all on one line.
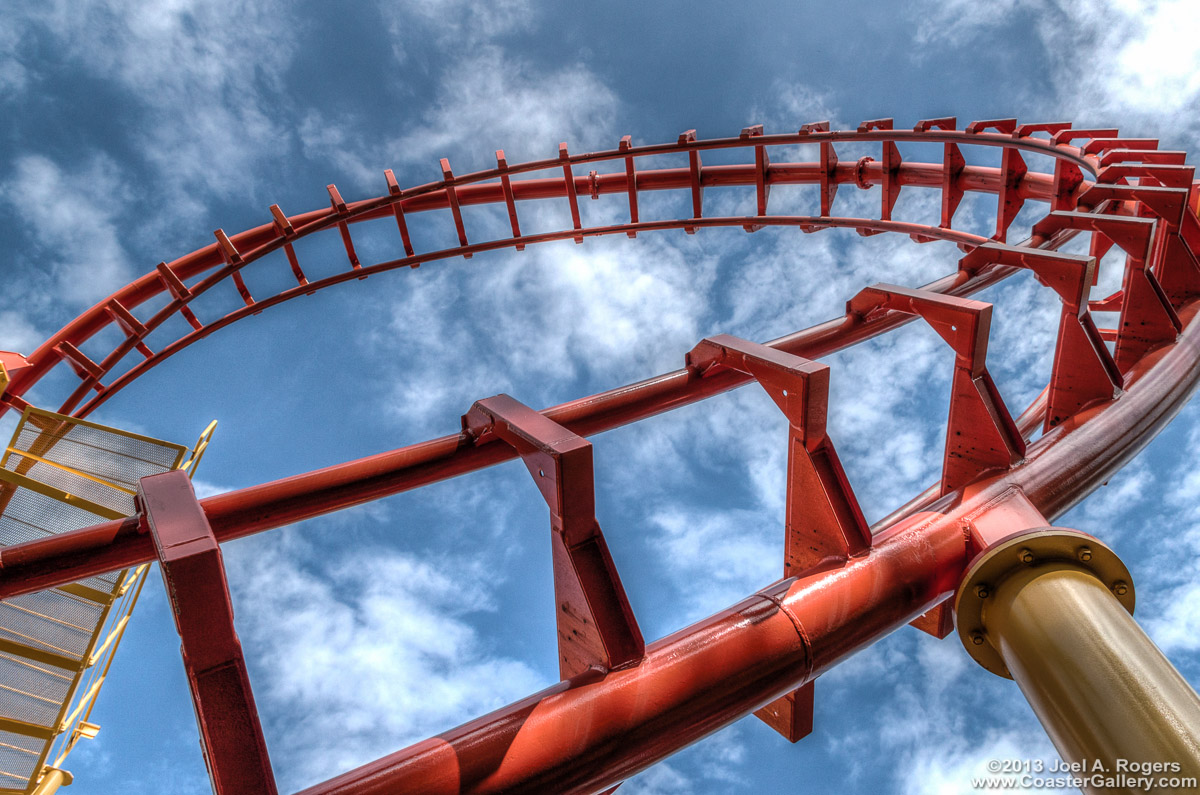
[(69, 557), (582, 737), (431, 197), (591, 732)]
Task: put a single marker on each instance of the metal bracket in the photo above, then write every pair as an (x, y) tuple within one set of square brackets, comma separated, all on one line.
[(953, 164), (791, 715), (1176, 270), (1084, 372), (596, 625), (980, 433), (762, 165), (824, 521), (889, 164), (1147, 317)]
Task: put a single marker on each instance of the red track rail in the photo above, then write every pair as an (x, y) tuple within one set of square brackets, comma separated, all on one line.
[(1099, 410), (182, 281)]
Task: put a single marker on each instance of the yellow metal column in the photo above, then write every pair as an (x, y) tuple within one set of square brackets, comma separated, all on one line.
[(51, 781), (1051, 609)]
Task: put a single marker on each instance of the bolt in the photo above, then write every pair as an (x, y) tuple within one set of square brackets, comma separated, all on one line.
[(1025, 555), (982, 591), (1085, 554), (1120, 588), (977, 638)]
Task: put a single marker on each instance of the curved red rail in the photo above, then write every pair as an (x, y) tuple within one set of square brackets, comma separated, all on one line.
[(224, 260), (1099, 409)]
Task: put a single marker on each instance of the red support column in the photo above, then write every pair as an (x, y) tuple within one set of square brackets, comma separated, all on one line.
[(596, 626), (980, 433), (230, 733)]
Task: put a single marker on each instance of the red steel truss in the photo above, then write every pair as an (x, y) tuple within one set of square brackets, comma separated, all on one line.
[(623, 705)]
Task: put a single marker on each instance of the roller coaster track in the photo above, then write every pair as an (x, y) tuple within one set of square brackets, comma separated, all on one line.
[(623, 705)]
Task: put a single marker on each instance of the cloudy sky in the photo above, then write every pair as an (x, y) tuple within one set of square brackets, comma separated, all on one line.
[(131, 130)]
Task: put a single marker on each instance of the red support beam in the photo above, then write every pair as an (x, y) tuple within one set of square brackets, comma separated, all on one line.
[(619, 709), (397, 206), (584, 736), (194, 574), (509, 200), (762, 165), (1084, 372), (695, 166), (825, 525), (596, 627), (890, 165), (484, 187), (79, 554), (980, 432), (824, 522)]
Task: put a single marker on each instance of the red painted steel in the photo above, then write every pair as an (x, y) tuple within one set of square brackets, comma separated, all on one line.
[(582, 736), (71, 556), (824, 523), (980, 433), (212, 265), (596, 627), (230, 733), (619, 711), (1084, 372)]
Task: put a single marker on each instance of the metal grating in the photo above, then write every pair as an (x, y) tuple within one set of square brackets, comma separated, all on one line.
[(19, 759), (60, 474), (32, 692), (101, 465)]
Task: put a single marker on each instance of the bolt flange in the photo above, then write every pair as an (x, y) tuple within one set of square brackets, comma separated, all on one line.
[(1048, 548)]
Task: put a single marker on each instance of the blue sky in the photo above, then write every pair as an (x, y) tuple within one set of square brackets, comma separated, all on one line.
[(130, 131)]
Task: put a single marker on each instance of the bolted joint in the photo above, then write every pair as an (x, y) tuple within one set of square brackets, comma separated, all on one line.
[(1061, 627), (1026, 555)]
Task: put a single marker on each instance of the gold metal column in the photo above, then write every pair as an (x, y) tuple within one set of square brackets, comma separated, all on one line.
[(1051, 609), (52, 780)]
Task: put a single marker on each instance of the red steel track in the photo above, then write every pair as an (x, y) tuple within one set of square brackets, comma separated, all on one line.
[(623, 705)]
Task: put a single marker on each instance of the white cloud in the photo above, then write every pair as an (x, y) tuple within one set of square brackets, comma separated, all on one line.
[(958, 21), (793, 104), (716, 761), (17, 333), (490, 100), (1112, 62), (1025, 322), (928, 726), (486, 100), (1168, 588), (1121, 497), (947, 765), (602, 312), (1175, 627), (199, 74), (335, 144), (453, 24), (733, 552), (72, 216), (1154, 62), (13, 75), (662, 779), (377, 648)]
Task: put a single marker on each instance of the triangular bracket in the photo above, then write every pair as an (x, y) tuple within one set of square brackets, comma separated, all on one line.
[(824, 521), (596, 626)]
